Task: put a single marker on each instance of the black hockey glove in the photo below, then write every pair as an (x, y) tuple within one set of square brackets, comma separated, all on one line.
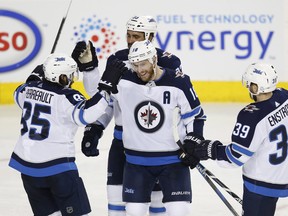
[(37, 74), (111, 76), (85, 56), (186, 155), (92, 134), (207, 149)]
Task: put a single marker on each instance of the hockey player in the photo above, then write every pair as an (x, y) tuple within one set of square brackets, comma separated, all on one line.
[(259, 142), (45, 151), (139, 28), (147, 119)]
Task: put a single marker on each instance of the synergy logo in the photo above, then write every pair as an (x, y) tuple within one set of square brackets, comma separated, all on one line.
[(243, 41), (20, 40), (100, 32), (244, 36)]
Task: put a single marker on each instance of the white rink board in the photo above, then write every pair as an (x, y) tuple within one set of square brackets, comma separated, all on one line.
[(215, 39)]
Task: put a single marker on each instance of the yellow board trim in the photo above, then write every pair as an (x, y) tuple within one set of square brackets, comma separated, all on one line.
[(207, 91)]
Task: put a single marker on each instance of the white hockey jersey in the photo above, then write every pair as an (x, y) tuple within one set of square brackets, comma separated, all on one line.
[(260, 145), (165, 60), (50, 118), (147, 116)]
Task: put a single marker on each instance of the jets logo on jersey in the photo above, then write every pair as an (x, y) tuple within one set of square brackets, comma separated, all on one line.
[(179, 73), (149, 116), (166, 54), (250, 108)]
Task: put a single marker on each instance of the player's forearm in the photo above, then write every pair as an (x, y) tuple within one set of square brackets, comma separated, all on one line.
[(87, 112), (222, 158), (91, 80), (105, 119)]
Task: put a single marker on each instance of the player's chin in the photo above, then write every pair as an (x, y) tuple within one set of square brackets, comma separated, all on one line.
[(144, 78), (129, 45)]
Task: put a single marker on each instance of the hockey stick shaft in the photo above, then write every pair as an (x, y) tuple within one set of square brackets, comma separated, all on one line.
[(219, 182), (209, 173), (60, 29), (208, 180), (217, 191)]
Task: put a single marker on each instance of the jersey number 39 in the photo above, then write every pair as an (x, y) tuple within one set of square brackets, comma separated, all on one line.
[(277, 135)]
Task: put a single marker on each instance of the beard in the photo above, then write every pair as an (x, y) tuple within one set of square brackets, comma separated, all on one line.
[(129, 45), (149, 75)]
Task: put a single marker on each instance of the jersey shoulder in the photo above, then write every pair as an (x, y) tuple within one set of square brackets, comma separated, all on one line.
[(255, 112), (280, 94), (257, 115), (72, 95), (120, 55), (168, 60), (171, 78)]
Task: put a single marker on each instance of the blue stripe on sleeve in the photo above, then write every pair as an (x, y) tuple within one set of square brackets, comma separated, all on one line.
[(194, 112), (231, 157), (81, 113), (242, 150), (81, 116)]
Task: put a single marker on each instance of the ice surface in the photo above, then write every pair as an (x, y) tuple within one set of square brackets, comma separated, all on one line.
[(220, 121)]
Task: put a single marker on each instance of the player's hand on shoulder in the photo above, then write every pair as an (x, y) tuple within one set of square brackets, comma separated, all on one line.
[(111, 76), (37, 74), (179, 72), (85, 56), (92, 134)]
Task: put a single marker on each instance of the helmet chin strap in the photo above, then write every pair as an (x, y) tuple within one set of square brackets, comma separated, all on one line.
[(69, 84), (253, 96), (70, 81), (66, 82)]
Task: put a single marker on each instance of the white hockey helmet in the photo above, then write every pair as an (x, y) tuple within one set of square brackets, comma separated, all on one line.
[(146, 24), (262, 74), (57, 64), (142, 50)]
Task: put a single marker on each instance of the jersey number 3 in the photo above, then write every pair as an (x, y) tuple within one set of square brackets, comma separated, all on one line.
[(44, 124), (274, 135)]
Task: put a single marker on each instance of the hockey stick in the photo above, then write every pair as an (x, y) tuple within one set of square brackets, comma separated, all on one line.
[(200, 167), (203, 171), (219, 182), (60, 29)]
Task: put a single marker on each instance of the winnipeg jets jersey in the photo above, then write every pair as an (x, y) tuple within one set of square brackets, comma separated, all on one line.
[(260, 145), (50, 118), (165, 59), (147, 116)]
